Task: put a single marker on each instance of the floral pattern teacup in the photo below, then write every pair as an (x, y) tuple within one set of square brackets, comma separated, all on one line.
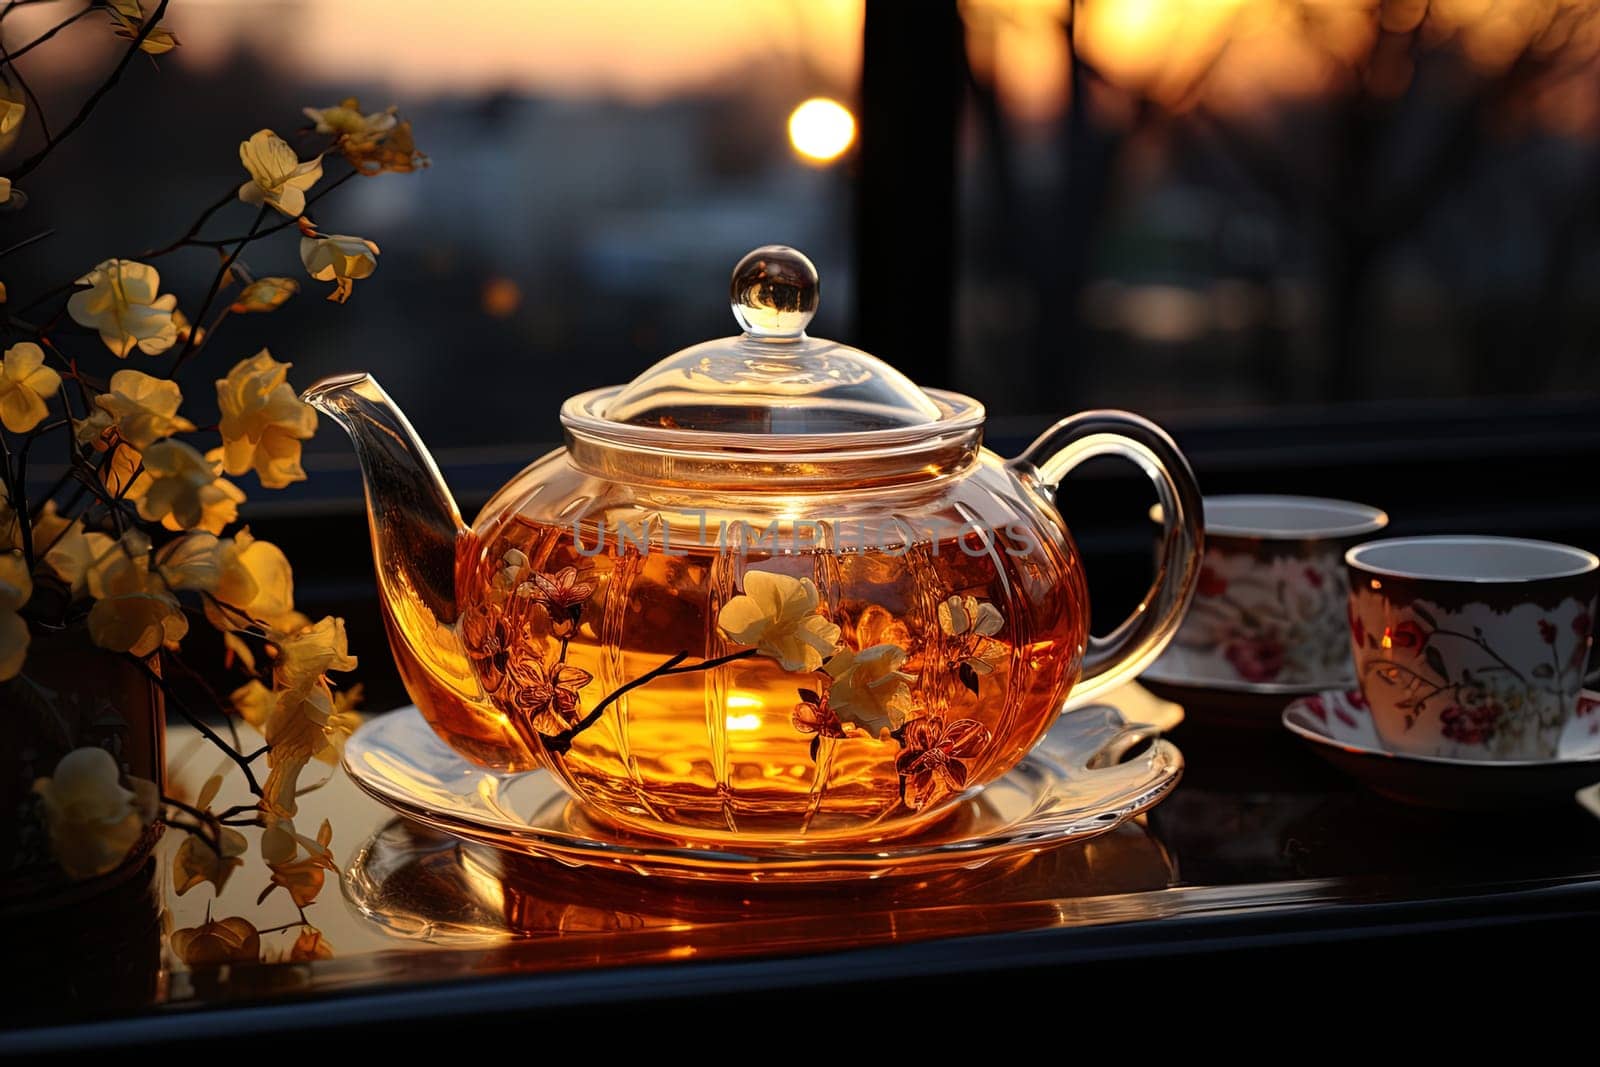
[(1269, 609), (1472, 647)]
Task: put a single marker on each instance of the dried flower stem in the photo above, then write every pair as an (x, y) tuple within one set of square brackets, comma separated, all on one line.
[(26, 241), (27, 165), (221, 242), (562, 741), (207, 825), (194, 230), (183, 805), (198, 723), (27, 90), (192, 343), (198, 829), (47, 34), (12, 5)]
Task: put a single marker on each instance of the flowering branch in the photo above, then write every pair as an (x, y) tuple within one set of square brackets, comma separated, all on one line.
[(146, 541)]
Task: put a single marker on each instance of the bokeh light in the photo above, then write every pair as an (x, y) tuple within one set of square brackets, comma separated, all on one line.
[(821, 129), (501, 297)]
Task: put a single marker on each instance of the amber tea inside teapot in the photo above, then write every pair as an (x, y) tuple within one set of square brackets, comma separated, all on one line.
[(769, 589)]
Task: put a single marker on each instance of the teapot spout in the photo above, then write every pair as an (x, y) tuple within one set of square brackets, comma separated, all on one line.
[(414, 520), (417, 538)]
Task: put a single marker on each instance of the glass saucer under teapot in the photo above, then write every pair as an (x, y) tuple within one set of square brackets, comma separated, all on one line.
[(770, 591)]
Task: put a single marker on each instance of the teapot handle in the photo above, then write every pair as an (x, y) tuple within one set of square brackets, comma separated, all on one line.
[(1121, 655)]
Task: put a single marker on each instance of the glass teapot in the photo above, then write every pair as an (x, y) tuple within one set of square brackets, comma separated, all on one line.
[(770, 589)]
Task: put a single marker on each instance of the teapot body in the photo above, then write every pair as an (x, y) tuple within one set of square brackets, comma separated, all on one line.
[(770, 591), (574, 585)]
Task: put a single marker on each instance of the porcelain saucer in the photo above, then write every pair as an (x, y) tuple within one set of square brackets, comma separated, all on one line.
[(1090, 773), (1338, 725)]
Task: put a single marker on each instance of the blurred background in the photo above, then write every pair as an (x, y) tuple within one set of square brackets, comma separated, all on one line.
[(1169, 205), (1340, 246)]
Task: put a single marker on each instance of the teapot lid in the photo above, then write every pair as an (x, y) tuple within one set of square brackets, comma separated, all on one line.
[(773, 379)]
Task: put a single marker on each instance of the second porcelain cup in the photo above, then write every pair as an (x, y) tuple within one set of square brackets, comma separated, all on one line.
[(1269, 610), (1471, 647)]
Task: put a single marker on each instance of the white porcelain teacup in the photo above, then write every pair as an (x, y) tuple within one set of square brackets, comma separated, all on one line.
[(1268, 612), (1471, 647)]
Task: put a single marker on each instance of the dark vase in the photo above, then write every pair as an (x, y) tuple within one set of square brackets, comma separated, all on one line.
[(70, 694)]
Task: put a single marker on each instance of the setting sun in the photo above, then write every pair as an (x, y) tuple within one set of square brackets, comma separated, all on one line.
[(821, 129)]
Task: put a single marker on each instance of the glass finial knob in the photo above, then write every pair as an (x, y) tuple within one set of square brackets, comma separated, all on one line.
[(774, 292)]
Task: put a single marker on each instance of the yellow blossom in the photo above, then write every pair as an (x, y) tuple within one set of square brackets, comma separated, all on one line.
[(191, 562), (255, 584), (13, 107), (346, 119), (186, 328), (972, 623), (237, 648), (95, 429), (300, 720), (122, 473), (110, 556), (92, 819), (263, 421), (300, 723), (122, 305), (213, 943), (185, 491), (134, 611), (302, 876), (128, 18), (295, 730), (277, 176), (292, 623), (395, 153), (342, 722), (309, 946), (869, 689), (253, 701), (24, 383), (339, 258), (196, 861), (16, 586), (308, 655), (960, 615), (145, 407), (264, 294), (64, 546), (778, 615)]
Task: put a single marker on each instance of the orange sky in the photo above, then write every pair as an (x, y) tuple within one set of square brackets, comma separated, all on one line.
[(1257, 49), (637, 48), (645, 49)]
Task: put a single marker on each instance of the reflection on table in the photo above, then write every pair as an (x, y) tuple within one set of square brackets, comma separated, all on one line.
[(1257, 824)]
